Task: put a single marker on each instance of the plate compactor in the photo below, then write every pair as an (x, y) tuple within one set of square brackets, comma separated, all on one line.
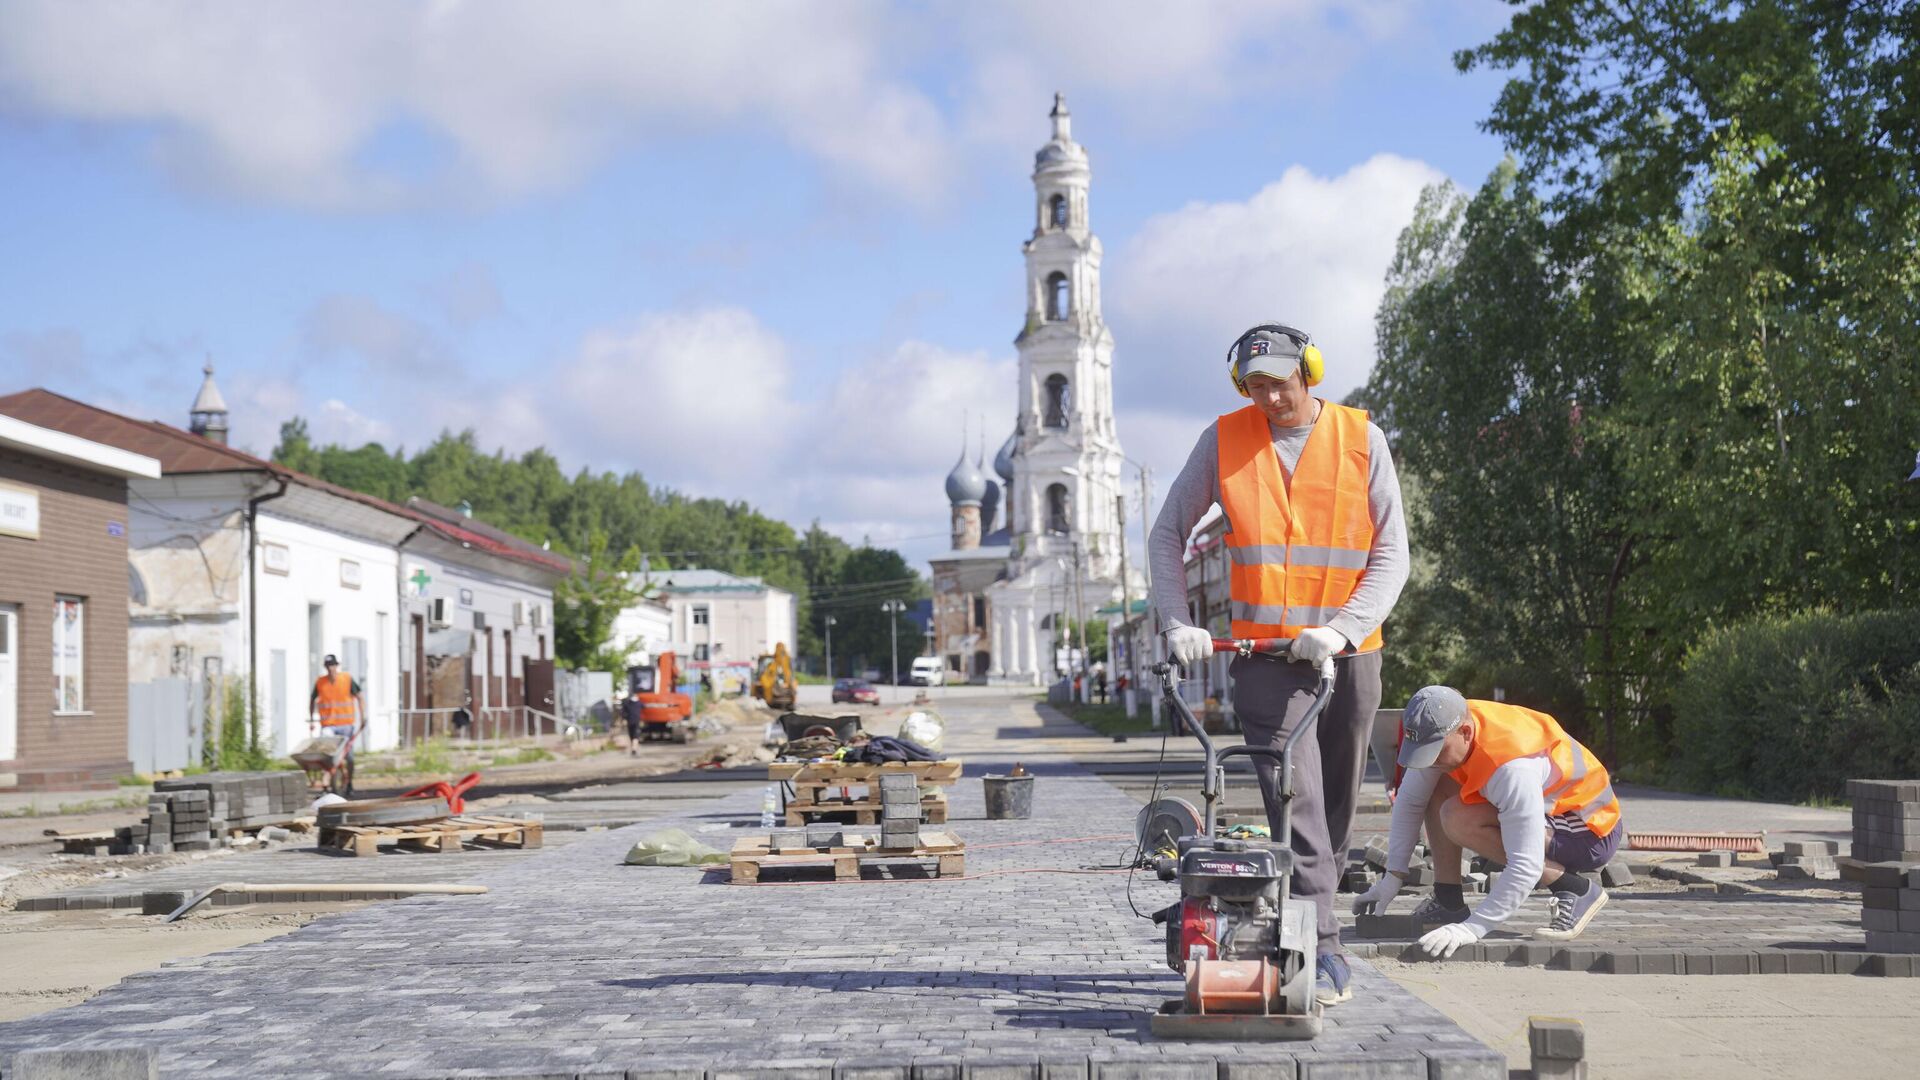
[(1244, 944)]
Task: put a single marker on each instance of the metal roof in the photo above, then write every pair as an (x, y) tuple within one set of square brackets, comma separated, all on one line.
[(180, 451)]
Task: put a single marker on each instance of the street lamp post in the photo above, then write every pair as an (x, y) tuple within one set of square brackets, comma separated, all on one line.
[(893, 608), (828, 622)]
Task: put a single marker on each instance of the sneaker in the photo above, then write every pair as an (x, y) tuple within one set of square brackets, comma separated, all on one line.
[(1431, 910), (1568, 914), (1331, 986)]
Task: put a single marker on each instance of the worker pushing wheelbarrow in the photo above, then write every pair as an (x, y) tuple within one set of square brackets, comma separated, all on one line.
[(337, 711)]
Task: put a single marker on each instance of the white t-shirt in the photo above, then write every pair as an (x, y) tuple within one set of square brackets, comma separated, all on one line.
[(1517, 791)]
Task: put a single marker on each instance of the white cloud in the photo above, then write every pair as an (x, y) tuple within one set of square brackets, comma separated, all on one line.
[(1306, 250), (695, 397), (326, 104), (288, 102)]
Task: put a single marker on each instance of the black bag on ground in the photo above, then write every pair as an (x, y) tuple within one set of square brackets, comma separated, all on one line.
[(882, 749)]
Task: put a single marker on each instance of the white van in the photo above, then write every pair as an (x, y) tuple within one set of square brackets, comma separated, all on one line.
[(927, 671)]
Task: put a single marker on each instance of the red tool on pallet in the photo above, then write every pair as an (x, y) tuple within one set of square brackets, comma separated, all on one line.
[(450, 792)]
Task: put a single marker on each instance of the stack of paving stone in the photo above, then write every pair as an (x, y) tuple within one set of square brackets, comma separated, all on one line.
[(193, 813), (1886, 820), (1806, 860), (175, 821), (252, 798), (899, 810), (1890, 909)]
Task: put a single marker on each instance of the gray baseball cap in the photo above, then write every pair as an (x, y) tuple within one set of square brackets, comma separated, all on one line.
[(1432, 714), (1266, 352)]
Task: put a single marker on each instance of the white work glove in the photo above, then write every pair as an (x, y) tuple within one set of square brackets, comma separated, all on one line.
[(1190, 646), (1375, 900), (1315, 645), (1441, 941)]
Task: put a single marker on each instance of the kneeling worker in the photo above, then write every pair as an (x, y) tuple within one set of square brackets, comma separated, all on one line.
[(1510, 784)]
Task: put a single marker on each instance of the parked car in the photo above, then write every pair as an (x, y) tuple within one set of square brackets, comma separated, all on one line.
[(928, 671), (855, 692)]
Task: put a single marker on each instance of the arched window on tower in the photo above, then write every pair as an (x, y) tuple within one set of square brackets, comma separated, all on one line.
[(1059, 401), (1058, 211), (1058, 519), (1059, 297)]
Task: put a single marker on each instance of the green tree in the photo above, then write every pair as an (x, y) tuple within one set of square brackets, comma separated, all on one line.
[(1495, 365), (586, 603)]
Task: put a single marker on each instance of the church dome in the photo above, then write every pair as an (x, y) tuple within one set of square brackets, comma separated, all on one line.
[(1003, 461), (966, 484), (989, 507)]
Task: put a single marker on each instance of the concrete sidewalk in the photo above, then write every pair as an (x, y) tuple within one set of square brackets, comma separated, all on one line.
[(577, 965)]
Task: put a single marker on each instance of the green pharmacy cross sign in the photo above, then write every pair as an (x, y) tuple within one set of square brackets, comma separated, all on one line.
[(420, 578)]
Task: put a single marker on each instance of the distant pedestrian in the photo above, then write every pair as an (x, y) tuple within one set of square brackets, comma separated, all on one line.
[(630, 711), (1100, 685)]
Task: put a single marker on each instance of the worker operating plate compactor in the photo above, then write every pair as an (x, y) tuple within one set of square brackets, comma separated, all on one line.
[(1245, 945)]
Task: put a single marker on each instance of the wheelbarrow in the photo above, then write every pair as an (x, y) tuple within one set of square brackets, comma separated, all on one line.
[(453, 792), (328, 762)]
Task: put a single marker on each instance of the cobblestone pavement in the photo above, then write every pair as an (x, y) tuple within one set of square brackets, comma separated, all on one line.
[(577, 965)]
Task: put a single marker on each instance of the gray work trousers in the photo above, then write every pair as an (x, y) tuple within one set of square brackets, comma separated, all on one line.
[(1270, 698)]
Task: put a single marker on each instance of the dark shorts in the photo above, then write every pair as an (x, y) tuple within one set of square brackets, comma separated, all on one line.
[(1582, 851)]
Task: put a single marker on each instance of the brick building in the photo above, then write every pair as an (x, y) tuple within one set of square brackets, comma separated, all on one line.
[(63, 608)]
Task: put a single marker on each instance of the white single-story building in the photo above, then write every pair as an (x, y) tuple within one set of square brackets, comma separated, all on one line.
[(725, 619), (242, 568)]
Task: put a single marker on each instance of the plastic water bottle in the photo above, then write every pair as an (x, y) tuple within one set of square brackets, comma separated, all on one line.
[(767, 804)]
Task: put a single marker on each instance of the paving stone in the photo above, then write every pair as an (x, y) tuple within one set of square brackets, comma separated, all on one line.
[(1379, 1066), (1811, 847), (574, 963), (1715, 858), (1206, 1069), (1285, 1069), (1465, 1063), (163, 901), (1616, 874), (90, 1063), (874, 1070), (1556, 1038)]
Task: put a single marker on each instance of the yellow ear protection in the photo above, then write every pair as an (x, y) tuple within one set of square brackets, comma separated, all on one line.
[(1312, 365)]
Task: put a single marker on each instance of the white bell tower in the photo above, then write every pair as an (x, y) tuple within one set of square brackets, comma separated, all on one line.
[(1066, 458)]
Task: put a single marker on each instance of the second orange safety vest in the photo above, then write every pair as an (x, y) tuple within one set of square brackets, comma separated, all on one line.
[(335, 707), (1299, 543), (1503, 733)]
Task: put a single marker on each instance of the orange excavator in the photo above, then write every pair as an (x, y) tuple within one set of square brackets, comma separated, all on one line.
[(665, 713)]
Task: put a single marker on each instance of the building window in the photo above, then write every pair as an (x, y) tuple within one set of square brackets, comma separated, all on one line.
[(699, 616), (69, 654), (1059, 211), (1059, 400), (700, 653), (980, 612), (1059, 297), (1058, 520)]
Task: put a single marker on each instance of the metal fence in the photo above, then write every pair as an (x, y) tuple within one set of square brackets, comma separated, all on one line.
[(486, 726)]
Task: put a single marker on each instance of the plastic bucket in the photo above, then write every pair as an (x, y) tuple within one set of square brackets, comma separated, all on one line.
[(1008, 796)]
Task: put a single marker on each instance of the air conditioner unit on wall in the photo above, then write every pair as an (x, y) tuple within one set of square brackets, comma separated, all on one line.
[(438, 616), (539, 616), (519, 613)]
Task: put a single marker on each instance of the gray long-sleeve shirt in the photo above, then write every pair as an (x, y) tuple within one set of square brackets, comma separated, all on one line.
[(1197, 489)]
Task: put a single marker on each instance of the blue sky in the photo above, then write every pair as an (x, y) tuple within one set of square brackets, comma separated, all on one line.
[(767, 252)]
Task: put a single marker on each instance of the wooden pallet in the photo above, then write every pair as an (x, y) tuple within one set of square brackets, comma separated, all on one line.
[(865, 811), (946, 851), (449, 835), (840, 773)]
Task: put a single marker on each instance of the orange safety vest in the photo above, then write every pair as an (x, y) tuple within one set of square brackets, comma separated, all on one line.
[(1504, 732), (335, 706), (1298, 544)]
